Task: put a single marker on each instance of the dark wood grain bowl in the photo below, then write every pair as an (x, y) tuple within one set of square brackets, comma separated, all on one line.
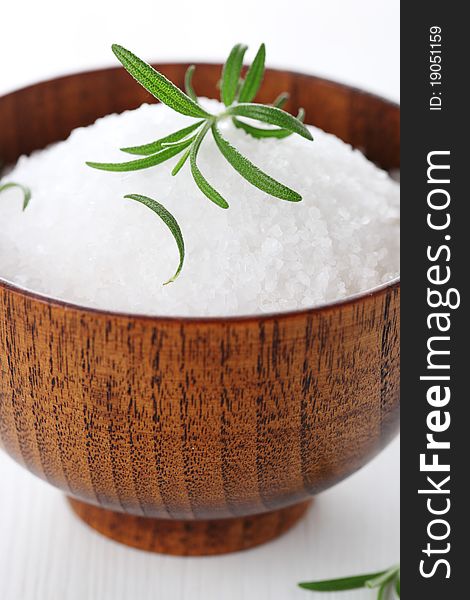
[(195, 436)]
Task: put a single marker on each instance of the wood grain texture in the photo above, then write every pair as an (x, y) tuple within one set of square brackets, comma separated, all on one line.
[(196, 419), (190, 538), (48, 554)]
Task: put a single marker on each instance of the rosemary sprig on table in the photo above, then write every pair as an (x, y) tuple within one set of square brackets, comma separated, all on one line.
[(237, 93), (383, 581), (25, 190)]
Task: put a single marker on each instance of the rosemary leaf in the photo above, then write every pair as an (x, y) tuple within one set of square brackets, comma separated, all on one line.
[(231, 74), (181, 162), (143, 163), (199, 178), (252, 173), (188, 85), (335, 585), (157, 84), (254, 77), (271, 115), (259, 132), (280, 101), (25, 190), (169, 221), (154, 147), (397, 584)]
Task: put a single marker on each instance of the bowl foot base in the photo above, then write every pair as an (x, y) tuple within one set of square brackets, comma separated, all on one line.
[(189, 538)]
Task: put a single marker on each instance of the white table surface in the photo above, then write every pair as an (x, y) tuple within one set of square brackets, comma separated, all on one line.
[(46, 553)]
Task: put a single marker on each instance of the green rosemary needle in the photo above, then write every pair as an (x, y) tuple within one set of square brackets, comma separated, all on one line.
[(25, 190), (169, 221)]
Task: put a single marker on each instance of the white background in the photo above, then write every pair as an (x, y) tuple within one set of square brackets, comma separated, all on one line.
[(47, 554), (353, 41)]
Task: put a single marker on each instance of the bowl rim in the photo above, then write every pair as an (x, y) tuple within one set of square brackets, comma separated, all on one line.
[(356, 298), (201, 64)]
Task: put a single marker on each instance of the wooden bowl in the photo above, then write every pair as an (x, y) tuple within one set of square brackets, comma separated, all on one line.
[(195, 436)]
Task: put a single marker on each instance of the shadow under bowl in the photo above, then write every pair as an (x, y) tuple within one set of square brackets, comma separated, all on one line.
[(195, 436)]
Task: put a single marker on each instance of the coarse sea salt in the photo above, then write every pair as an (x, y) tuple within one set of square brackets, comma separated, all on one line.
[(81, 241)]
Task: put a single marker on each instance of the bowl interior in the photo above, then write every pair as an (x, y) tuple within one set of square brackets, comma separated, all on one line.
[(33, 117)]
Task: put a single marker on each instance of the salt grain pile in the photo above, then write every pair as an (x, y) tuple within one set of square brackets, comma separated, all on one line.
[(81, 241)]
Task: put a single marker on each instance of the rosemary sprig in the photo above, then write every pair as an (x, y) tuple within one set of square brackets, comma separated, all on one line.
[(382, 581), (24, 189), (237, 94)]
